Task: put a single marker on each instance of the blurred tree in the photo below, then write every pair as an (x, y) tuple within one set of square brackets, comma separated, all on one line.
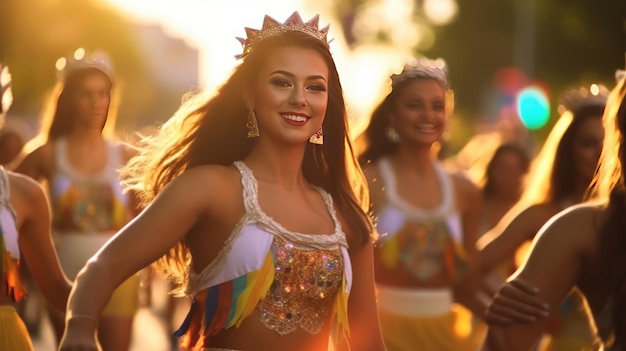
[(35, 33), (568, 42), (561, 43)]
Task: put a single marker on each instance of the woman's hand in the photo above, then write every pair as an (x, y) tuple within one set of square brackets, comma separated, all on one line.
[(516, 301), (79, 335)]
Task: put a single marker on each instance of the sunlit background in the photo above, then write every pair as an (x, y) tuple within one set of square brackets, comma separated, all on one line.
[(496, 52), (212, 27), (508, 61)]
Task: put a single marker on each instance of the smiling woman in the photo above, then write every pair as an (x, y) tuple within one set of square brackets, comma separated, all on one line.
[(427, 217), (265, 230), (299, 95)]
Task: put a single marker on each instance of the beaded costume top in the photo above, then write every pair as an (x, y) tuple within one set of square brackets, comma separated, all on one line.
[(87, 203), (423, 242), (296, 281), (9, 248)]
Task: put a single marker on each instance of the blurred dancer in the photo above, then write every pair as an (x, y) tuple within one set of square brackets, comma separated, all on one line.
[(427, 217), (502, 183), (583, 246), (568, 160), (24, 238), (79, 163)]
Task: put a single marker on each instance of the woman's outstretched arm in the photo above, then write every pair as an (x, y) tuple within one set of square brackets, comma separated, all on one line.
[(552, 267)]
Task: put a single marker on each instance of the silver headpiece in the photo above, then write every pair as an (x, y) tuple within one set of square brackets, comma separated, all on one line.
[(81, 60), (575, 99), (423, 68)]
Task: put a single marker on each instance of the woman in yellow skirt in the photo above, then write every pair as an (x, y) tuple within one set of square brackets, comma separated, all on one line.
[(427, 217), (24, 236)]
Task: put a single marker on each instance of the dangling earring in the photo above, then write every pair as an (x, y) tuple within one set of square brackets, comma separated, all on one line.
[(317, 138), (251, 124)]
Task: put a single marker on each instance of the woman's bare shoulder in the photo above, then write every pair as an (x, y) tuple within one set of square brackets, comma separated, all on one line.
[(27, 196), (576, 225), (211, 177), (24, 186), (38, 162)]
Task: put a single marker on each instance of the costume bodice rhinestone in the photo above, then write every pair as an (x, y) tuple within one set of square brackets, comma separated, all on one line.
[(304, 288)]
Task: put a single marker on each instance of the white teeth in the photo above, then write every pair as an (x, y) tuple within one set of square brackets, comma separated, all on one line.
[(426, 126), (295, 118)]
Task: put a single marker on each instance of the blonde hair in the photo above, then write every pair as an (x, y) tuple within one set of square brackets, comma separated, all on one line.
[(609, 173)]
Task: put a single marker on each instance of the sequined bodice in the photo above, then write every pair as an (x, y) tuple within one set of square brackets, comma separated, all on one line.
[(87, 204), (423, 247), (296, 281), (423, 242), (304, 288)]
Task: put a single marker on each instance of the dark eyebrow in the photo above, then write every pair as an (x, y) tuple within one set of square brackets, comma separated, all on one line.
[(291, 75)]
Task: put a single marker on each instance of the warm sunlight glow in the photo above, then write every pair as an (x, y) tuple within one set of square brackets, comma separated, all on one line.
[(210, 26), (60, 64), (440, 12), (79, 54), (393, 17), (366, 79), (594, 89)]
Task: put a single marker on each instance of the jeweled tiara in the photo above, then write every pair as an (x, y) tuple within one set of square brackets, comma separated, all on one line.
[(575, 99), (272, 27), (82, 60), (422, 68)]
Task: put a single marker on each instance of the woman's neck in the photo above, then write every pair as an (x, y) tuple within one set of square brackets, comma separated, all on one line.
[(89, 137), (418, 158), (280, 165)]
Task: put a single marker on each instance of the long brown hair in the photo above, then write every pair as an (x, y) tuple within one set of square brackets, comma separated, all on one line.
[(64, 116), (212, 130), (609, 188)]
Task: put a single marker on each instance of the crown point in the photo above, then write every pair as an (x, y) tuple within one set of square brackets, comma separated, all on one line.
[(324, 31), (251, 32), (294, 20), (314, 22), (269, 22)]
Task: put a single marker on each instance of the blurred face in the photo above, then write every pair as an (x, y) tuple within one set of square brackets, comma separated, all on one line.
[(91, 101), (507, 173), (587, 147), (291, 94), (419, 115)]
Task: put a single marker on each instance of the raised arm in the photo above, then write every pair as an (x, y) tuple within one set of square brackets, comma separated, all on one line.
[(502, 241), (552, 267)]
